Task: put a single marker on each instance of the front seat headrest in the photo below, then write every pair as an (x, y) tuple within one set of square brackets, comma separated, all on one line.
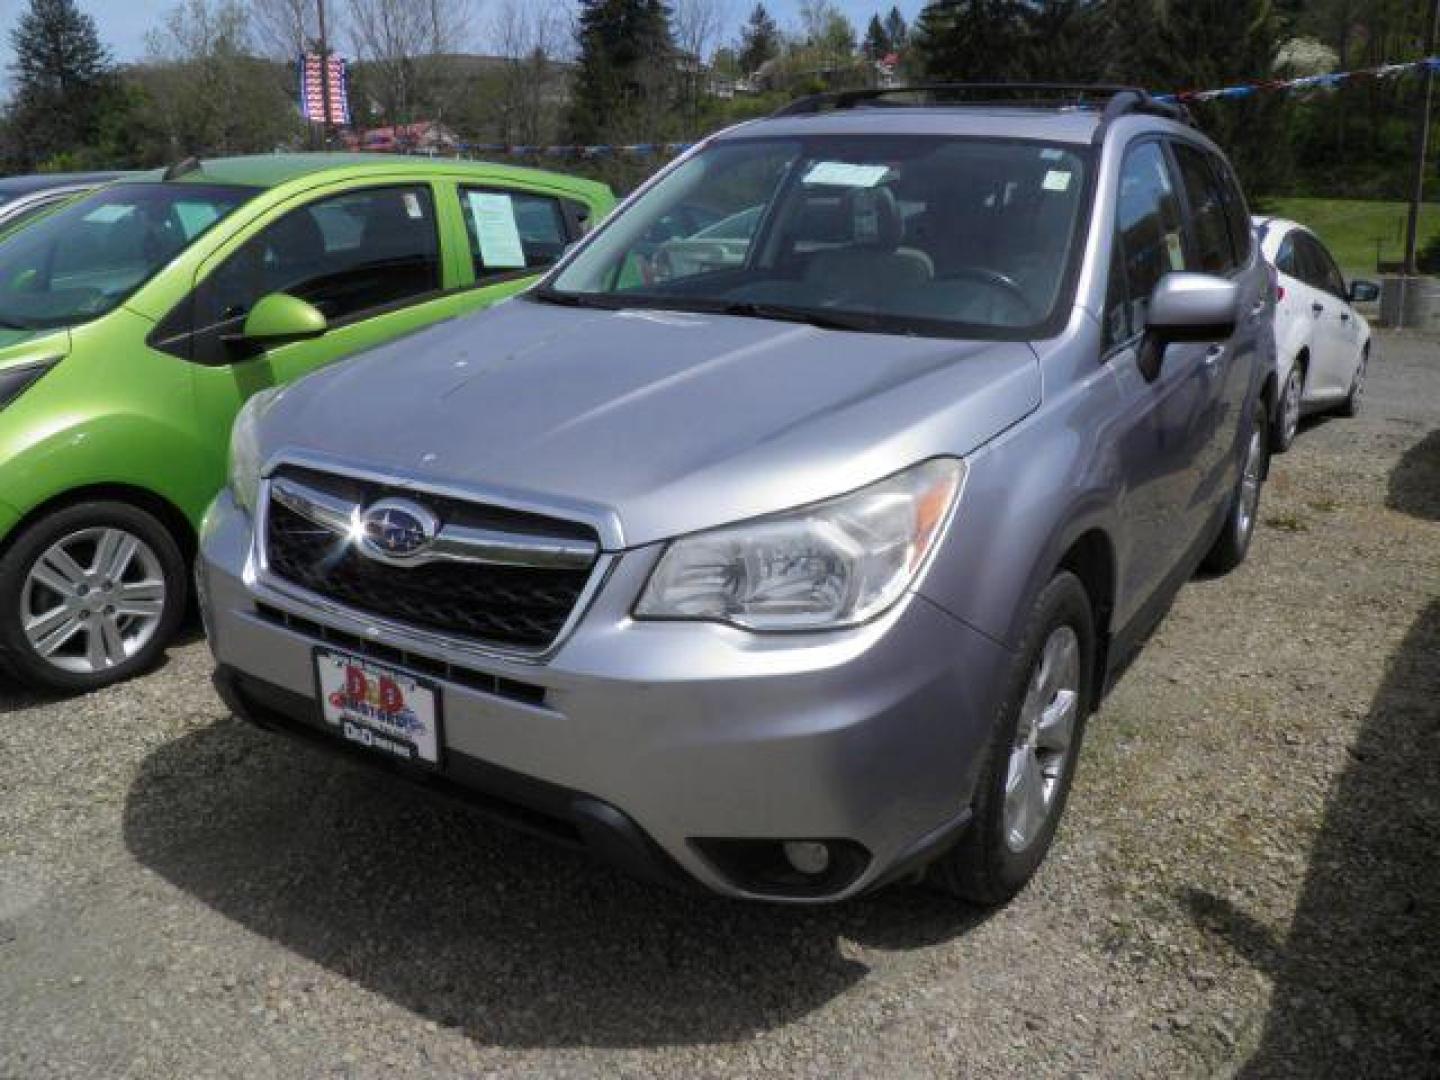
[(875, 218)]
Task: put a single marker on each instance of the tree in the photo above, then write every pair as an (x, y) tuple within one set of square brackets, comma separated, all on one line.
[(695, 26), (827, 31), (207, 93), (896, 31), (521, 101), (759, 41), (625, 79), (972, 41), (284, 28), (400, 43), (877, 41), (64, 84), (1060, 40)]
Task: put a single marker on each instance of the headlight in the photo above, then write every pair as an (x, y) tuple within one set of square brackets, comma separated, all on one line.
[(832, 564), (245, 460)]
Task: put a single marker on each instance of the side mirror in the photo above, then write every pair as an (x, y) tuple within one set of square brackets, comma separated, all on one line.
[(1187, 307), (279, 318), (1192, 307), (1364, 292)]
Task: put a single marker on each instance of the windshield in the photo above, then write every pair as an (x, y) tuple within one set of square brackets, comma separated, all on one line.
[(87, 257), (918, 234)]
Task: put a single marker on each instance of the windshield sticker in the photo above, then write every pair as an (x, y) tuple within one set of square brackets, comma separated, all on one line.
[(109, 213), (412, 206), (839, 174), (196, 217), (1175, 251), (1057, 180), (1052, 154), (495, 230)]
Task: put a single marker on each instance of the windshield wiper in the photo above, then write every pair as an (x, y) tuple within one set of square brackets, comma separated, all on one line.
[(565, 299), (824, 320), (11, 324)]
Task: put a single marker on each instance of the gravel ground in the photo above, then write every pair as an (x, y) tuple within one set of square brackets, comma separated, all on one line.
[(1246, 882)]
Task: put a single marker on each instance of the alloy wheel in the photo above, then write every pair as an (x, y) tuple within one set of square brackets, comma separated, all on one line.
[(1291, 416), (1043, 738), (1250, 482), (92, 600)]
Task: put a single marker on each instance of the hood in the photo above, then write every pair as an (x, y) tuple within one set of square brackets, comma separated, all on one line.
[(652, 424), (28, 346)]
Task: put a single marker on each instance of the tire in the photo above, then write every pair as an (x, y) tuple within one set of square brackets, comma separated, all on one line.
[(1001, 850), (1287, 410), (1233, 543), (89, 595), (1351, 405)]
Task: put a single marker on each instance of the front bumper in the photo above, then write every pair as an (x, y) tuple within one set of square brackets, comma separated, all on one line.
[(670, 735)]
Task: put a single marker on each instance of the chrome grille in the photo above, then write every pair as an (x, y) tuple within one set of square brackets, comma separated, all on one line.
[(492, 576)]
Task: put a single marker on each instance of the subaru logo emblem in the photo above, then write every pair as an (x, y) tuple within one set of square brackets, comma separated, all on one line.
[(396, 529)]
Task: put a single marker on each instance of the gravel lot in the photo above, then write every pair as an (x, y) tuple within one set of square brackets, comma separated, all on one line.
[(1247, 881)]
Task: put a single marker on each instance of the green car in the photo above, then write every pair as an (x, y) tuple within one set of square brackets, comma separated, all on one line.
[(136, 320)]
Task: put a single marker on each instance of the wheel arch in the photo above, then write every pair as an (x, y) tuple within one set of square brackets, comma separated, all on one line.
[(1091, 558), (156, 505)]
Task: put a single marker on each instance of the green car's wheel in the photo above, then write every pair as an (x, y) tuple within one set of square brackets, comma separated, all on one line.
[(89, 595)]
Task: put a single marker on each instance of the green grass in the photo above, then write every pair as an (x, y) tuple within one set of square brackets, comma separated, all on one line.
[(1351, 227)]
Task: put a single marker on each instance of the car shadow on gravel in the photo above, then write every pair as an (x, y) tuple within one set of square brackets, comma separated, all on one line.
[(508, 939), (1357, 982), (1414, 486), (15, 696)]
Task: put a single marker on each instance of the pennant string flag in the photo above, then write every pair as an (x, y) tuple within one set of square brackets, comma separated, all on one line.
[(1302, 84)]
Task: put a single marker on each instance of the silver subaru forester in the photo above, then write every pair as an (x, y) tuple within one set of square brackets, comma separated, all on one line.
[(784, 536)]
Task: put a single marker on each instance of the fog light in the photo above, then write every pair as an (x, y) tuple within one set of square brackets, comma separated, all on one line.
[(807, 856)]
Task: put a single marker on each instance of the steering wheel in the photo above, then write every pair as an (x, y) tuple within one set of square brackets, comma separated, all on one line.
[(997, 280)]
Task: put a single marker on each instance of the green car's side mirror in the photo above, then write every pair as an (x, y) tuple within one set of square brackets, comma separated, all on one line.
[(279, 317)]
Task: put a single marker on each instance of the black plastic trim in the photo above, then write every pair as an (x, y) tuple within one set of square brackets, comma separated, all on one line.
[(554, 813)]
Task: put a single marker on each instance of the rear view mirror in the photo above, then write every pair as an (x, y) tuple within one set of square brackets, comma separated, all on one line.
[(1364, 292), (278, 318)]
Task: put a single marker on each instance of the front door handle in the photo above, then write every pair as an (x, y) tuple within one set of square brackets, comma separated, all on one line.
[(1319, 309), (1344, 316)]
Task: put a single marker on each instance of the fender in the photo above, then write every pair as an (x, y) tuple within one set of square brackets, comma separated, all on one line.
[(127, 450)]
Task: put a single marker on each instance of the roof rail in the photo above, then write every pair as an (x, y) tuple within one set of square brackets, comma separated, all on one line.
[(181, 168), (1116, 100)]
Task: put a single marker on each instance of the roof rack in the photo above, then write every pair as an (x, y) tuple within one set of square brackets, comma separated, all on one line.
[(183, 167), (1116, 100)]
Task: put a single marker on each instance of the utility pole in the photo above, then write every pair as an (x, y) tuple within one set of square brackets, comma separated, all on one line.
[(328, 127), (1422, 144)]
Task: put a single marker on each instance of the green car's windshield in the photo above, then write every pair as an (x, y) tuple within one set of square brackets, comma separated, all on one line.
[(921, 234), (87, 257)]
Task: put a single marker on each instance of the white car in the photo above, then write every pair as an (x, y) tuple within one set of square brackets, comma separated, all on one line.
[(1322, 344)]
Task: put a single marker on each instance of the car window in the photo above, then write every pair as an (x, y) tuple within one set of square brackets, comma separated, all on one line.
[(1149, 238), (930, 234), (1237, 214), (1322, 272), (31, 212), (348, 254), (1209, 223), (1285, 259), (85, 257), (511, 232)]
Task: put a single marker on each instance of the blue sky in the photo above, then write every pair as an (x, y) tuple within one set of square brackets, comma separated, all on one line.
[(124, 23)]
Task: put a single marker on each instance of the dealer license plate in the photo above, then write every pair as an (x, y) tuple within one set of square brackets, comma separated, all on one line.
[(381, 709)]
